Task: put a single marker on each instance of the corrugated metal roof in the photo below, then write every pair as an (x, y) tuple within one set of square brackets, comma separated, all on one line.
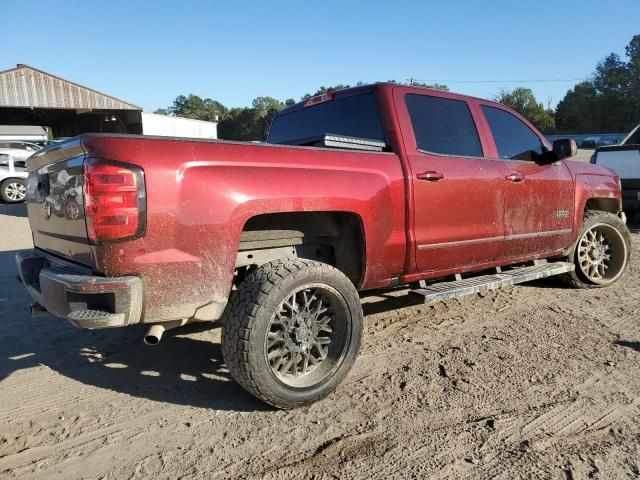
[(25, 86)]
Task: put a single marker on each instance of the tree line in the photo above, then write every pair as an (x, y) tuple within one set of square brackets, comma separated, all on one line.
[(609, 102)]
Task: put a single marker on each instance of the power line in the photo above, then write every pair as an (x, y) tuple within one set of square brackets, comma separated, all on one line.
[(538, 80)]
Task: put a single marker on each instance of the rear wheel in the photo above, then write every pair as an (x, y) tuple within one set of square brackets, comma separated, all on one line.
[(601, 253), (13, 190), (292, 331)]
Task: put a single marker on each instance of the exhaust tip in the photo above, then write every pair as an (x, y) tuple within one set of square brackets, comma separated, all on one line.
[(151, 340), (154, 335)]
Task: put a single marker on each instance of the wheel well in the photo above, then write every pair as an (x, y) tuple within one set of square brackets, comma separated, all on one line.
[(8, 179), (602, 204), (336, 238)]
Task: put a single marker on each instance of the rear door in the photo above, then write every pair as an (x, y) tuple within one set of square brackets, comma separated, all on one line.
[(538, 208), (457, 195)]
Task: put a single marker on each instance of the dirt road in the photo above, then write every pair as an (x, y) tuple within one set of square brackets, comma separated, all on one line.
[(538, 381)]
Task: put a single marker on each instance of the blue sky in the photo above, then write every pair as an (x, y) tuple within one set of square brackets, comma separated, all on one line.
[(148, 52)]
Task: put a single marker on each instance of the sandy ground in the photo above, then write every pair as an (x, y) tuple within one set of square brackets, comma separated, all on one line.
[(538, 381)]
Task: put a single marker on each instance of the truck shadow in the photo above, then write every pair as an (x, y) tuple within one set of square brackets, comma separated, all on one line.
[(632, 345), (185, 368)]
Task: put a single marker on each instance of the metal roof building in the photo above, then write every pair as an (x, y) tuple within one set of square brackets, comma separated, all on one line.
[(29, 96)]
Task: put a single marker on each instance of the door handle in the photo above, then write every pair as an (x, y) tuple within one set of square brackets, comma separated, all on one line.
[(515, 177), (430, 176)]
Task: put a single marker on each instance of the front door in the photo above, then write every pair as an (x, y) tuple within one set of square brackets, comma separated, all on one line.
[(458, 201), (538, 208)]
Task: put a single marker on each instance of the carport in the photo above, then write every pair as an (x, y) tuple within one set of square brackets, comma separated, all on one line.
[(29, 96)]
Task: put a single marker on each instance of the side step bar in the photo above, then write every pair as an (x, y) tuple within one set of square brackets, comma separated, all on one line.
[(467, 286)]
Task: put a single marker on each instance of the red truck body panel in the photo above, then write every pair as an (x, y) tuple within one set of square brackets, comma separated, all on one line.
[(200, 195)]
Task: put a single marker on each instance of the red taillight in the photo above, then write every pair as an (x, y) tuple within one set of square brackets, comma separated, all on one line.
[(325, 97), (114, 200)]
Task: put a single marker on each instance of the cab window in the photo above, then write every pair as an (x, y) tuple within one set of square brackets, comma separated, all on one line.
[(514, 139), (443, 125)]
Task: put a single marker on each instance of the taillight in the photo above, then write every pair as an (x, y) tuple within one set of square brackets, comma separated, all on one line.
[(115, 202)]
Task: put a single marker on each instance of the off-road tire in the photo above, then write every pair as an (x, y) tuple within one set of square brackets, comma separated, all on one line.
[(248, 316), (577, 279), (3, 189)]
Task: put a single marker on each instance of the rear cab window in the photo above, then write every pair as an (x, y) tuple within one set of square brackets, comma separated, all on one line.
[(352, 116), (513, 138), (443, 126)]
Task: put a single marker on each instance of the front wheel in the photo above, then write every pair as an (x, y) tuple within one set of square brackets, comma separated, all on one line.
[(602, 251), (292, 331)]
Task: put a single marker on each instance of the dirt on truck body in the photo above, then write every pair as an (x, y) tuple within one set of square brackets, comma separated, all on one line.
[(367, 188)]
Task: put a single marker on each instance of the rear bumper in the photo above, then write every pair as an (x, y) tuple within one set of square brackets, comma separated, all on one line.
[(87, 301)]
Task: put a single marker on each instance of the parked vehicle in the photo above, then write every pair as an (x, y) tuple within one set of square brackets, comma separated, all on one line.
[(365, 188), (65, 195), (624, 159), (18, 150), (13, 175)]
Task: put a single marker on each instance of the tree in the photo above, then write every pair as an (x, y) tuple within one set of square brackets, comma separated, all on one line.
[(612, 82), (610, 101), (192, 106), (523, 101), (578, 112), (633, 65), (250, 123)]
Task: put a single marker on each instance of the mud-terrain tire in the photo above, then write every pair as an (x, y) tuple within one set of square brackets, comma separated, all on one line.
[(292, 331), (603, 238), (13, 190)]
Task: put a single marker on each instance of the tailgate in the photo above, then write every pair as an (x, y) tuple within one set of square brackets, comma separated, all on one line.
[(55, 201)]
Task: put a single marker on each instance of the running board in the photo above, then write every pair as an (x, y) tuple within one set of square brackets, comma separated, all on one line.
[(478, 284)]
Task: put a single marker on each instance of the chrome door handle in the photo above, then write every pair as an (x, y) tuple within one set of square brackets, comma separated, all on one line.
[(430, 176), (515, 177)]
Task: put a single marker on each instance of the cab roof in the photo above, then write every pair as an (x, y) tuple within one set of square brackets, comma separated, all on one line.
[(371, 87)]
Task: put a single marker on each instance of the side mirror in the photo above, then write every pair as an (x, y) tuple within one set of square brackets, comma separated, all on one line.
[(565, 147)]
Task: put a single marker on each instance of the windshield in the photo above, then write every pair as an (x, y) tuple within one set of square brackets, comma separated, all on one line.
[(353, 116)]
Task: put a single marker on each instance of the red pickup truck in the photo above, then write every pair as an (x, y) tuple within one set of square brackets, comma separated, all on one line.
[(365, 188)]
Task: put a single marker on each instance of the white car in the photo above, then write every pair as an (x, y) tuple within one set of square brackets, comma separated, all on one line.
[(18, 150), (624, 159), (13, 179)]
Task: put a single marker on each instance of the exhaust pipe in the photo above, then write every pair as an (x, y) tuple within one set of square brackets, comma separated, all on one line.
[(154, 335)]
